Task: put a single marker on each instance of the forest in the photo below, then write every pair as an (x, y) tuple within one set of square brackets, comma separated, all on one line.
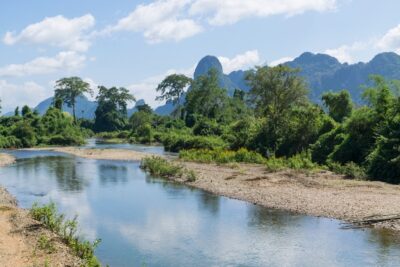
[(275, 123)]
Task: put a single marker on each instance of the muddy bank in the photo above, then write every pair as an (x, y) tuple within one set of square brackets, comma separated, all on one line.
[(24, 242), (318, 194)]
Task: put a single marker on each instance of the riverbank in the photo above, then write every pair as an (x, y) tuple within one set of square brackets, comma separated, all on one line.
[(319, 193), (24, 242)]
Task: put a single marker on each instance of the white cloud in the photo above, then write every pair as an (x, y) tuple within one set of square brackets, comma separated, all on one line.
[(346, 53), (280, 61), (71, 34), (239, 62), (224, 12), (159, 21), (391, 40), (28, 93), (67, 60)]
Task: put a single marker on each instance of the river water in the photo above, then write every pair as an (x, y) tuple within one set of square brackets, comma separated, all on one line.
[(143, 220)]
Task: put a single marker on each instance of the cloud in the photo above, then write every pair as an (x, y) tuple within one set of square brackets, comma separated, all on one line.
[(66, 60), (391, 40), (58, 31), (346, 53), (239, 62), (159, 21), (224, 12), (28, 93), (280, 61)]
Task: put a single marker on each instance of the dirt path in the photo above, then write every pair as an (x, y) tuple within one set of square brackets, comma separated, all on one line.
[(20, 235), (318, 194)]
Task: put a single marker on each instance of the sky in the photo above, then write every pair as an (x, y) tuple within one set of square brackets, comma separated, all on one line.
[(135, 44)]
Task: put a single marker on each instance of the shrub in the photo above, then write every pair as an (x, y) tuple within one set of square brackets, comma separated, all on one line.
[(175, 142), (350, 170), (221, 156), (67, 230), (159, 166)]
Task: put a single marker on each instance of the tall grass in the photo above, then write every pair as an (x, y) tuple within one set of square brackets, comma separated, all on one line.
[(161, 167), (67, 230)]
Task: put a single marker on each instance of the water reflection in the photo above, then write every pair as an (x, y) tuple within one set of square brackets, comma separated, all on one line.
[(142, 219)]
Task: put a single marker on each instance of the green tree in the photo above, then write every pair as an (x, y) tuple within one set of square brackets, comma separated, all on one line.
[(68, 89), (274, 92), (206, 98), (111, 112), (172, 88), (339, 104)]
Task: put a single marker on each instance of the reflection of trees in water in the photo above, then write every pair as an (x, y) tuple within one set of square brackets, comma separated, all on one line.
[(262, 217), (172, 188), (386, 241), (209, 202), (112, 173), (63, 168)]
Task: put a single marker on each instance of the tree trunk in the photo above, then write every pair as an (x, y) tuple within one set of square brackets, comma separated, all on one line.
[(73, 112)]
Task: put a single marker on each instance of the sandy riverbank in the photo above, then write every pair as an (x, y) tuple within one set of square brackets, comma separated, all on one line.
[(318, 194), (20, 234)]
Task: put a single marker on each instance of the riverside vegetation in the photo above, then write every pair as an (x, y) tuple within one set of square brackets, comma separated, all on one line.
[(273, 124), (67, 230)]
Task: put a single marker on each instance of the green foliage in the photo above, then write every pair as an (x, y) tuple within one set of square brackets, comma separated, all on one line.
[(111, 112), (68, 89), (350, 170), (44, 243), (221, 156), (161, 167), (339, 105), (176, 141), (67, 230)]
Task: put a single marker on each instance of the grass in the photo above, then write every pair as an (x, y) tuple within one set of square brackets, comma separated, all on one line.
[(222, 156), (161, 167), (350, 170), (67, 230)]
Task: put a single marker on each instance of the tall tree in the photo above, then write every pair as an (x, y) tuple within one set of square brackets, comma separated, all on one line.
[(172, 88), (111, 112), (273, 93), (68, 89), (339, 104), (206, 98)]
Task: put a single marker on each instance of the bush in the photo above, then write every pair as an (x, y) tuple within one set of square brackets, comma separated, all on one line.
[(221, 156), (350, 170), (175, 142), (159, 166), (67, 230)]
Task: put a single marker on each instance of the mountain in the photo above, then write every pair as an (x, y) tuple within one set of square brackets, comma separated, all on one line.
[(84, 107), (325, 73), (322, 73)]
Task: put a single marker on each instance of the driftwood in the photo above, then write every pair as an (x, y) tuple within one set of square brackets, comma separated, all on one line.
[(371, 220)]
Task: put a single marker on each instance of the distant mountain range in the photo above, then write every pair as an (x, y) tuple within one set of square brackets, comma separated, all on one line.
[(322, 73)]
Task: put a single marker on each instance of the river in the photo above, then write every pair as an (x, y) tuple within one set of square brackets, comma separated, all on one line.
[(144, 220)]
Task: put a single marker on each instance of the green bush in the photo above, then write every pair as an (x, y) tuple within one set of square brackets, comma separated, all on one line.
[(221, 156), (159, 166), (67, 230), (350, 170), (175, 142)]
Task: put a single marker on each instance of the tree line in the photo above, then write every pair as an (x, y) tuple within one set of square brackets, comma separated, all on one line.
[(275, 119)]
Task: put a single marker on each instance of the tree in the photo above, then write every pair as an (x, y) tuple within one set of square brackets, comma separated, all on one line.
[(16, 112), (339, 105), (206, 98), (111, 112), (68, 89), (273, 93), (25, 111), (172, 89)]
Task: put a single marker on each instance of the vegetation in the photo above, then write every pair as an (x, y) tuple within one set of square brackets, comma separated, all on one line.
[(274, 123), (67, 230), (164, 168)]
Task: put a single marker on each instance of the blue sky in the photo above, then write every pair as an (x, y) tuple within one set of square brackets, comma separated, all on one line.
[(136, 43)]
